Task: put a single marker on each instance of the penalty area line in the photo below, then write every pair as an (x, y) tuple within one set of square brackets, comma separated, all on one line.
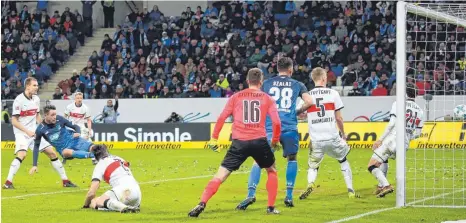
[(147, 182), (392, 208)]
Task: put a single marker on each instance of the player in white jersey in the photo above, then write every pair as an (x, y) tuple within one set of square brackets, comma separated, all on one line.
[(385, 147), (25, 118), (323, 119), (125, 195), (79, 114)]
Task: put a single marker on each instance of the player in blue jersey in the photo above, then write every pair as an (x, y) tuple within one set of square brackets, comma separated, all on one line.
[(57, 131), (285, 91)]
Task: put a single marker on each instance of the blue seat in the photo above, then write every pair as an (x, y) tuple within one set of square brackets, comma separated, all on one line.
[(12, 68), (338, 70), (46, 70)]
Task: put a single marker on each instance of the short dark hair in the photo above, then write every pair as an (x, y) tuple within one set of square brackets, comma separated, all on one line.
[(284, 64), (100, 151), (411, 90), (29, 80), (255, 76), (48, 108)]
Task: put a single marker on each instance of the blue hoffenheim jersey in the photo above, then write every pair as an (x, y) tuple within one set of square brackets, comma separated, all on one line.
[(58, 135), (285, 91)]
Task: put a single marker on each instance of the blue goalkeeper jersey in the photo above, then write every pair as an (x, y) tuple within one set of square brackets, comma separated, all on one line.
[(59, 135), (285, 91)]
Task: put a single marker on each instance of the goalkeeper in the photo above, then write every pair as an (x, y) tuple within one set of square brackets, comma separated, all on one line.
[(385, 147), (249, 109)]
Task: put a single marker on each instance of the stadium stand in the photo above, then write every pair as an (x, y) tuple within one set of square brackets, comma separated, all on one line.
[(206, 52), (36, 43)]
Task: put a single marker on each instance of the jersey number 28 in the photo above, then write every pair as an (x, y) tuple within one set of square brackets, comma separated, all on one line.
[(284, 96)]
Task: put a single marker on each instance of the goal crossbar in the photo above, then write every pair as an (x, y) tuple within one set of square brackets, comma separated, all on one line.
[(437, 15)]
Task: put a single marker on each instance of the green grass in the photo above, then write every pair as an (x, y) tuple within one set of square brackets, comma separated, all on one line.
[(167, 198)]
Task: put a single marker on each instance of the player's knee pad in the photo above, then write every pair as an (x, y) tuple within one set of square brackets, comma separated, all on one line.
[(370, 168), (343, 160), (291, 157)]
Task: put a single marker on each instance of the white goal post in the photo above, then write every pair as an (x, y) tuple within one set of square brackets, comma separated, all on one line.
[(449, 193)]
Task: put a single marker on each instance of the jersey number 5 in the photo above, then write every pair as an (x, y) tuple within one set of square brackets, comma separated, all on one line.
[(251, 111), (320, 113)]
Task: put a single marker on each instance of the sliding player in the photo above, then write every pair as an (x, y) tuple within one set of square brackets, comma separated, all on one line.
[(25, 118), (125, 195), (249, 108), (285, 91), (67, 142), (385, 147), (323, 118)]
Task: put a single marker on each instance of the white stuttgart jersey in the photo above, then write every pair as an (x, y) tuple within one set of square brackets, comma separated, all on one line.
[(414, 119), (113, 170), (321, 115), (77, 115), (26, 109)]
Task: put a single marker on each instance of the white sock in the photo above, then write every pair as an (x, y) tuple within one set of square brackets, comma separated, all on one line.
[(115, 205), (378, 174), (384, 168), (58, 166), (311, 175), (347, 175), (14, 167)]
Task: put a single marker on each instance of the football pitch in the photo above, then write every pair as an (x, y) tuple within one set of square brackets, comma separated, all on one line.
[(172, 183)]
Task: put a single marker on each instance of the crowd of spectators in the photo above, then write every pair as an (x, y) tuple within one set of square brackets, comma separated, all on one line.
[(206, 52), (36, 43)]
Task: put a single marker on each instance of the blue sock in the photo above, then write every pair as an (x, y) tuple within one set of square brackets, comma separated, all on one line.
[(254, 178), (82, 154), (291, 172)]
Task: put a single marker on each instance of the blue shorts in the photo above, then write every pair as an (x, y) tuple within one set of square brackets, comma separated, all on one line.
[(289, 141), (78, 144)]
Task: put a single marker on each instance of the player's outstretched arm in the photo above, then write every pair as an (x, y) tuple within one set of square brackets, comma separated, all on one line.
[(227, 111), (91, 193), (35, 153), (67, 123)]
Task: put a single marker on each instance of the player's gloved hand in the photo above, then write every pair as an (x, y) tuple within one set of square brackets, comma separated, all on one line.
[(76, 135), (376, 144), (33, 170), (276, 146), (213, 145)]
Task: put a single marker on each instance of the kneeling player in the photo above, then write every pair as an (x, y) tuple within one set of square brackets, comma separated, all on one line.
[(385, 147), (67, 142), (249, 109), (323, 118), (125, 195)]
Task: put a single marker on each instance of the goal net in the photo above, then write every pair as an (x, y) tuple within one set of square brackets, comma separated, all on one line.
[(431, 41)]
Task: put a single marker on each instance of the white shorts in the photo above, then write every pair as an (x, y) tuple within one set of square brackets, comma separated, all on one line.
[(24, 142), (336, 148), (128, 194), (387, 150)]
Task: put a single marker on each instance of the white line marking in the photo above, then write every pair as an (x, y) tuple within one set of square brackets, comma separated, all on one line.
[(148, 182), (391, 208)]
